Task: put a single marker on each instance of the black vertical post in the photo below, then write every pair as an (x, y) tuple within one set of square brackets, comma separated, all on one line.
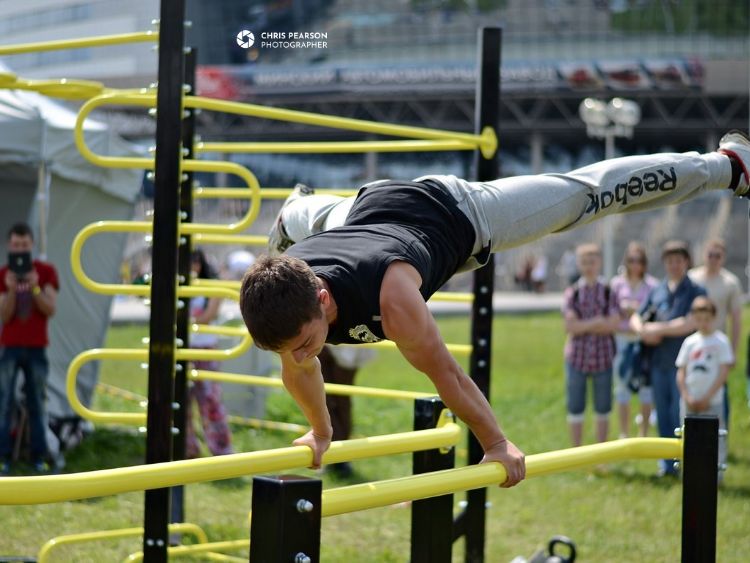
[(183, 312), (700, 463), (164, 270), (432, 518), (285, 523), (487, 105)]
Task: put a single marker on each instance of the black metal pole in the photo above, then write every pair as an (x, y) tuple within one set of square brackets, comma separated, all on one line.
[(164, 270), (183, 311), (471, 522), (432, 518), (699, 488), (285, 525)]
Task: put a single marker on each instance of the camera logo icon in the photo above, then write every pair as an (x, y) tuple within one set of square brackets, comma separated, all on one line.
[(245, 39)]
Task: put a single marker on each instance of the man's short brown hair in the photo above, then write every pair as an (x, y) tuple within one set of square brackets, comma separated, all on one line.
[(277, 296), (676, 247)]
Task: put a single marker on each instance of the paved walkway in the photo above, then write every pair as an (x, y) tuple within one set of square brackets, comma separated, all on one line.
[(133, 310)]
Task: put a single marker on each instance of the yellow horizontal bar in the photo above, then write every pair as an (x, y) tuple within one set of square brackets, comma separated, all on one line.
[(84, 42), (75, 486), (235, 331), (453, 296), (486, 141), (184, 550), (267, 424), (244, 240), (331, 388), (457, 349), (384, 493), (115, 391), (180, 528), (320, 147)]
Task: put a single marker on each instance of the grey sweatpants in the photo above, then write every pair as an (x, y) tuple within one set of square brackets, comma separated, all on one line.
[(513, 211)]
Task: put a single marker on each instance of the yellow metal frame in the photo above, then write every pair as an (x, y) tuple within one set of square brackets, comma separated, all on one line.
[(75, 486), (45, 553), (383, 493)]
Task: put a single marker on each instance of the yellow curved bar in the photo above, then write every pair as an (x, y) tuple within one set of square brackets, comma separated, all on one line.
[(7, 78), (96, 41), (332, 388), (319, 147), (486, 141), (148, 99), (181, 528), (73, 486), (130, 289), (66, 88), (140, 355), (383, 493), (185, 550)]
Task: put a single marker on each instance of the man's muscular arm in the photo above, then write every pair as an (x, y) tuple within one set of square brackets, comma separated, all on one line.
[(408, 322), (305, 384)]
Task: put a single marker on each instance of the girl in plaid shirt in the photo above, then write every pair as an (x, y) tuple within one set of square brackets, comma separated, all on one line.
[(591, 317)]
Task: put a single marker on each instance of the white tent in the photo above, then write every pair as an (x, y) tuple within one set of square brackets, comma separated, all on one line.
[(46, 182)]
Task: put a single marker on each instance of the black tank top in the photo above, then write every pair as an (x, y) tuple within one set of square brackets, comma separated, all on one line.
[(415, 222)]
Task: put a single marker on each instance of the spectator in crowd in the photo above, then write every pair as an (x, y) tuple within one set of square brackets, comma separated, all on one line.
[(539, 274), (591, 317), (28, 294), (567, 268), (631, 289), (663, 322), (207, 394), (703, 364), (724, 289), (339, 364)]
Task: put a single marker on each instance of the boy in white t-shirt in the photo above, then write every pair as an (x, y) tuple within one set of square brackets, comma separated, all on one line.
[(703, 365)]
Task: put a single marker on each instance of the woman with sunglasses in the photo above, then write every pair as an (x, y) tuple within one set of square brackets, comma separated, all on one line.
[(631, 288)]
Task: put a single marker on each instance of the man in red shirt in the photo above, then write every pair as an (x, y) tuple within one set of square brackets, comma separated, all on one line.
[(28, 292)]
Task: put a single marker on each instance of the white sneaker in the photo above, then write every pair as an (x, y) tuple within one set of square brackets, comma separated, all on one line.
[(278, 239), (736, 145)]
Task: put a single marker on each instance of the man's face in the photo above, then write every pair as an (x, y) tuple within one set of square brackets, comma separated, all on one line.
[(18, 243), (309, 342), (714, 258), (676, 266), (590, 265)]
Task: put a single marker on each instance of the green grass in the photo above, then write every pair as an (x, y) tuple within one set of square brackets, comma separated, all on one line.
[(626, 515)]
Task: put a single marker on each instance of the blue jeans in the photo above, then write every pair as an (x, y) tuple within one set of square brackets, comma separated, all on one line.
[(33, 363), (667, 403), (575, 387)]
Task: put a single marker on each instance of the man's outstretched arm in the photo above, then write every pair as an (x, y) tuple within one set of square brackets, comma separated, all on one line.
[(305, 384), (408, 322)]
